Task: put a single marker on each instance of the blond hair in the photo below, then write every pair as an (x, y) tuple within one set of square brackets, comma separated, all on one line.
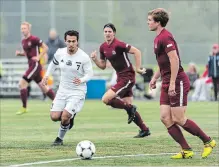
[(160, 15), (26, 23)]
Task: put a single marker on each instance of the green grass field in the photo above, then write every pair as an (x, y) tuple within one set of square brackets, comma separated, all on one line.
[(27, 138)]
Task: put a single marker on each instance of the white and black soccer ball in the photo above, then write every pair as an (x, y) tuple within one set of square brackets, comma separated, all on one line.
[(85, 149)]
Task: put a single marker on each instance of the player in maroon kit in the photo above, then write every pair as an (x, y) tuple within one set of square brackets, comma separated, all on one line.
[(175, 87), (31, 45), (120, 95)]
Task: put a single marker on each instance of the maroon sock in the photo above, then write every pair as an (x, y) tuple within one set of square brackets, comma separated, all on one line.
[(51, 94), (23, 96), (194, 129), (139, 122), (117, 103), (176, 133)]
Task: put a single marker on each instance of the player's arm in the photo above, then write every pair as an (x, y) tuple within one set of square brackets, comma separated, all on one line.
[(156, 75), (20, 53), (54, 64), (168, 44), (137, 54), (88, 71), (174, 65), (101, 63)]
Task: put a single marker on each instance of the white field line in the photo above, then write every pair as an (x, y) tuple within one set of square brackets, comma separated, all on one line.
[(74, 159)]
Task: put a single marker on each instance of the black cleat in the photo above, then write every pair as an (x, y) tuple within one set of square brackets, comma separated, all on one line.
[(131, 112), (57, 142), (143, 133)]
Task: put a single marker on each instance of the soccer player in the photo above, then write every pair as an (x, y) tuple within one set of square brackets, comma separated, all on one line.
[(76, 69), (120, 95), (175, 87), (31, 45)]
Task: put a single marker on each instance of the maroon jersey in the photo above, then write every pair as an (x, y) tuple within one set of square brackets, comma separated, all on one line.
[(116, 53), (31, 46), (163, 44)]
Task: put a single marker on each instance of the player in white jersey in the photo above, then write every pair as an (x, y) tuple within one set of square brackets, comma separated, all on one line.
[(76, 70)]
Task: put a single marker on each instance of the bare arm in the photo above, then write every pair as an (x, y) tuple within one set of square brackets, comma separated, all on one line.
[(174, 65), (99, 62), (137, 54), (20, 53), (157, 75)]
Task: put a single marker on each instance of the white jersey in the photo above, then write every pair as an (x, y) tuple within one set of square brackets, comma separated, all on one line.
[(73, 66)]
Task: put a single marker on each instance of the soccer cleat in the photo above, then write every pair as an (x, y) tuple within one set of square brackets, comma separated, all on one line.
[(131, 113), (57, 142), (184, 154), (208, 148), (21, 111), (143, 133)]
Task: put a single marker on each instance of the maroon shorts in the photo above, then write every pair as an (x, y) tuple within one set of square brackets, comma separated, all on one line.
[(33, 72), (125, 82), (180, 99)]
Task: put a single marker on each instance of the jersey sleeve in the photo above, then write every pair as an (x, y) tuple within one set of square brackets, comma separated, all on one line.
[(124, 46), (38, 41), (88, 70), (54, 64), (168, 44), (102, 56)]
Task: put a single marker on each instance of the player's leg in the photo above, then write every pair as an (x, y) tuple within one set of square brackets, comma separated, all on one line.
[(45, 89), (109, 98), (173, 129), (56, 111), (178, 109), (138, 120), (73, 106), (23, 84)]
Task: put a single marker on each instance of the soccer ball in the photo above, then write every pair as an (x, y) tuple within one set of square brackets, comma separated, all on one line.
[(85, 149)]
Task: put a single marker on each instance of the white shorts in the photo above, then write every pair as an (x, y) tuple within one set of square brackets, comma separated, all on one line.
[(72, 104)]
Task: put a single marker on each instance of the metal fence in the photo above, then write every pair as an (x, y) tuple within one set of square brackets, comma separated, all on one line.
[(89, 17)]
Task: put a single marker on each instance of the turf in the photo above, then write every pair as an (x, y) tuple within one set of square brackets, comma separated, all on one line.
[(27, 138)]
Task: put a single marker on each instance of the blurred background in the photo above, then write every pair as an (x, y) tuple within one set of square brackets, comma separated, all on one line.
[(194, 25)]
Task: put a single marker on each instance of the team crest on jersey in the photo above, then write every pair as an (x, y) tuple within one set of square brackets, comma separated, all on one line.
[(69, 63), (29, 43), (113, 52)]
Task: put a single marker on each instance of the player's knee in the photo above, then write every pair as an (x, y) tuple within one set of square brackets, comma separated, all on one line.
[(180, 121), (105, 100), (166, 120), (65, 119), (55, 116), (22, 85), (43, 87)]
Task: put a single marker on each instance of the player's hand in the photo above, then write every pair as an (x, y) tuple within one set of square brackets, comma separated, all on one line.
[(171, 90), (152, 84), (45, 80), (36, 58), (77, 81), (141, 70), (18, 53), (94, 55)]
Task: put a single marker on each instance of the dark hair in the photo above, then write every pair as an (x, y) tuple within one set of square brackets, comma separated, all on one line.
[(72, 33), (110, 25), (160, 15)]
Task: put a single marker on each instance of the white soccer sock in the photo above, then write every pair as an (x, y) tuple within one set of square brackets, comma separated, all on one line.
[(62, 131)]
